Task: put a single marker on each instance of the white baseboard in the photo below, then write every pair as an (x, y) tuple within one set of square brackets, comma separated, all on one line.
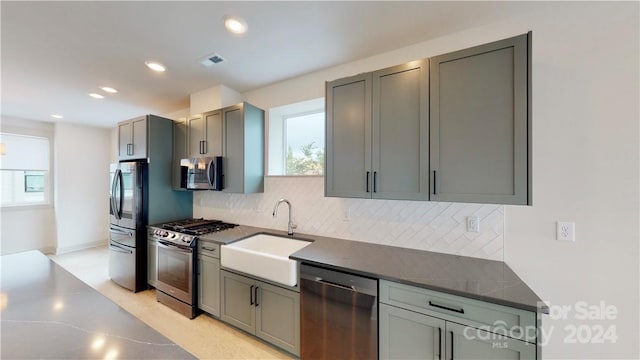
[(66, 249)]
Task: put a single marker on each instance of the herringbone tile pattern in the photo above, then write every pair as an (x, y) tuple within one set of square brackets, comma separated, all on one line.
[(433, 226)]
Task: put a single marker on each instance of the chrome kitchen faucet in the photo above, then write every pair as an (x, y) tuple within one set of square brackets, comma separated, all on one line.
[(290, 225)]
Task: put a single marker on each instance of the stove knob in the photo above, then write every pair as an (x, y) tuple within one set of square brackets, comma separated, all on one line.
[(165, 234), (173, 236)]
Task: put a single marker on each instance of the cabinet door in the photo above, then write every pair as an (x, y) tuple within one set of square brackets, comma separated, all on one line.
[(479, 124), (405, 334), (278, 317), (179, 150), (348, 137), (464, 342), (152, 262), (234, 149), (400, 143), (213, 133), (124, 140), (196, 135), (139, 138), (238, 305), (209, 285)]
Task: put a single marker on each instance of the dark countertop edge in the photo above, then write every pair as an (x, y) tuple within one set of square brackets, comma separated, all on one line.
[(243, 231), (535, 309)]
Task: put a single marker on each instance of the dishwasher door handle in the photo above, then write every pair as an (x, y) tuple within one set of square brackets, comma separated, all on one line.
[(340, 286)]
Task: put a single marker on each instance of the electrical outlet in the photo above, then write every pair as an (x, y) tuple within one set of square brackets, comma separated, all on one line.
[(566, 231), (473, 224)]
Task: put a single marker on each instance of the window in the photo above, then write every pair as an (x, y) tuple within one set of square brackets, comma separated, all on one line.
[(24, 170), (296, 139)]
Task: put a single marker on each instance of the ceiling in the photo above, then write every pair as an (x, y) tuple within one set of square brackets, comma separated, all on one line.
[(54, 53)]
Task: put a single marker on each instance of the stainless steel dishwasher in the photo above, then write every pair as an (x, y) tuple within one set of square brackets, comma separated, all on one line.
[(339, 315)]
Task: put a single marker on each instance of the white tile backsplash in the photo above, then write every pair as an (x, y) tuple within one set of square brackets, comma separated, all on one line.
[(423, 225)]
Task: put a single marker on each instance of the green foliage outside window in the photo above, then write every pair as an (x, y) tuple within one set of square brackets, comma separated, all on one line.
[(311, 162)]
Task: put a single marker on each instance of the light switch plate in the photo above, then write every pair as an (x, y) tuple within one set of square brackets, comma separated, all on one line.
[(566, 231)]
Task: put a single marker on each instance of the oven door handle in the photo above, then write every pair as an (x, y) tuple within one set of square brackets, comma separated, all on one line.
[(166, 245)]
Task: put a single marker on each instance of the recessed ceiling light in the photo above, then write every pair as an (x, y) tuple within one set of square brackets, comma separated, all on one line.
[(155, 66), (235, 25), (96, 96), (57, 116), (108, 89)]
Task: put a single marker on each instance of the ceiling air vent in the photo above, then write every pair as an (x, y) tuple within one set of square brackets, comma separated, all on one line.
[(211, 60)]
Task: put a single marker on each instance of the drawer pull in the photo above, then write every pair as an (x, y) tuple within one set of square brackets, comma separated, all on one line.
[(461, 311), (208, 249)]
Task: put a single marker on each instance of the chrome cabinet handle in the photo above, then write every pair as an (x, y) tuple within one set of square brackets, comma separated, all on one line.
[(251, 295)]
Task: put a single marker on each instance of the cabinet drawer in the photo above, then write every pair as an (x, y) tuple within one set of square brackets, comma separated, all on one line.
[(209, 249), (515, 323)]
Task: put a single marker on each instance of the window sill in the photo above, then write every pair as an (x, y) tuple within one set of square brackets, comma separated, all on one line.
[(26, 207)]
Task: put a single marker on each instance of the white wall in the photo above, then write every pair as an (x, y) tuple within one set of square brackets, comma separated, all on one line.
[(585, 154), (82, 156), (28, 227)]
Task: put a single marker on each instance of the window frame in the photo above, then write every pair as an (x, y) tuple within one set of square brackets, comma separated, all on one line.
[(285, 137), (276, 134), (37, 129)]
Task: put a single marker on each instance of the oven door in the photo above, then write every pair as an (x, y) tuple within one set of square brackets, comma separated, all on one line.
[(175, 271)]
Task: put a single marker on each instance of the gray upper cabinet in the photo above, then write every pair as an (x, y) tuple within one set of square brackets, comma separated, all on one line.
[(180, 151), (348, 137), (205, 134), (132, 139), (243, 148), (400, 146), (377, 134), (480, 124)]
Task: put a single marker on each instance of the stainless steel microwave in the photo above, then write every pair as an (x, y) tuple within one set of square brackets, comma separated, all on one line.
[(203, 173)]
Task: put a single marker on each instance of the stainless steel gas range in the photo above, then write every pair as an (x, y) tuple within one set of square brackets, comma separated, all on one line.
[(177, 261)]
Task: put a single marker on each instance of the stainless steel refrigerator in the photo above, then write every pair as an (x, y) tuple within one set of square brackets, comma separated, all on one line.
[(141, 194), (127, 263)]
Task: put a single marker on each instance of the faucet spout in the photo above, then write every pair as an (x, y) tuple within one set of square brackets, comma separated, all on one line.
[(290, 225)]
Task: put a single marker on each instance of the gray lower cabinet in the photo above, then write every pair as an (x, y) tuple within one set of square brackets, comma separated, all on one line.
[(377, 142), (480, 123), (270, 312), (417, 323), (209, 278), (465, 342), (243, 148), (406, 334)]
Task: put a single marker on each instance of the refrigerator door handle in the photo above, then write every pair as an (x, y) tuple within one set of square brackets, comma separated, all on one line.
[(117, 248), (121, 232), (114, 189), (120, 195)]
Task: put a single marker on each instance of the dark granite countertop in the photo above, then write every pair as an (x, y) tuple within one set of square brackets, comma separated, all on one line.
[(486, 280), (47, 313)]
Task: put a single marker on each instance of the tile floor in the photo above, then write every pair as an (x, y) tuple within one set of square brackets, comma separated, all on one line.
[(204, 336)]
